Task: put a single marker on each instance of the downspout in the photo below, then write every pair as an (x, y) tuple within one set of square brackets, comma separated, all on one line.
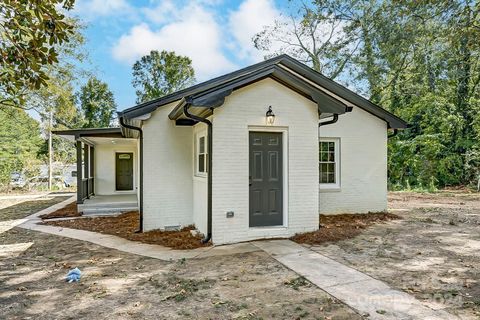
[(209, 174), (140, 132), (334, 120), (395, 132)]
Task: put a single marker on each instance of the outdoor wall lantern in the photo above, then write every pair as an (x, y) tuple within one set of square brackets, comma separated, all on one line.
[(270, 116)]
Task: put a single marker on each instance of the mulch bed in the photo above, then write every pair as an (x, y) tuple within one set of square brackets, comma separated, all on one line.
[(342, 226), (65, 212), (126, 224)]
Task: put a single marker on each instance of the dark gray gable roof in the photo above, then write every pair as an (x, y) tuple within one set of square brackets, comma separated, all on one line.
[(203, 88), (214, 97)]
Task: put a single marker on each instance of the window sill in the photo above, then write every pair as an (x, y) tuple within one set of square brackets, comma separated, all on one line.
[(330, 188)]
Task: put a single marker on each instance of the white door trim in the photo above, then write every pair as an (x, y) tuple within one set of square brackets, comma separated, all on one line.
[(284, 131)]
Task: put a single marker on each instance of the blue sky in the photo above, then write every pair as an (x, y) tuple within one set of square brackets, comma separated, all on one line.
[(215, 34)]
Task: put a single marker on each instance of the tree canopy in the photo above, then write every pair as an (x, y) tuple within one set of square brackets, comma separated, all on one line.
[(418, 59), (160, 73), (96, 104), (20, 143), (30, 33)]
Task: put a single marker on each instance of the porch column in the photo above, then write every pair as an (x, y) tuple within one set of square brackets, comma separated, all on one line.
[(79, 172), (92, 169), (86, 168)]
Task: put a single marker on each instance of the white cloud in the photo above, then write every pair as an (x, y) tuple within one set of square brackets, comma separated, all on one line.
[(246, 22), (195, 33), (165, 11), (102, 7)]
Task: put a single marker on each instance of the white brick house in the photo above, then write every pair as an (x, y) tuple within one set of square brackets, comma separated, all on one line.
[(213, 155)]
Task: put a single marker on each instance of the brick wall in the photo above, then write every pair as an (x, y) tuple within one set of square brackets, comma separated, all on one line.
[(363, 164), (299, 117)]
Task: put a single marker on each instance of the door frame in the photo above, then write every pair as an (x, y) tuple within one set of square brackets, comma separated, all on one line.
[(133, 172), (284, 132)]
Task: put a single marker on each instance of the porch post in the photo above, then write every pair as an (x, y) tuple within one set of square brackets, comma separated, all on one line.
[(86, 167), (92, 169), (79, 172)]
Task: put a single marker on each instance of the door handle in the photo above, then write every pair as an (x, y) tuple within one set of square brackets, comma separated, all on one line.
[(250, 181)]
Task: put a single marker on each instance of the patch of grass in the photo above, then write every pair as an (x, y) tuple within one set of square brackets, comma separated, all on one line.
[(298, 282), (183, 288), (427, 220), (303, 314)]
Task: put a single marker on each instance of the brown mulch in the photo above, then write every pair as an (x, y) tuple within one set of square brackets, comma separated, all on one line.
[(65, 212), (126, 224), (342, 226)]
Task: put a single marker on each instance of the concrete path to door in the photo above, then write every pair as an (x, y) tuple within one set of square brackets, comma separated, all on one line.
[(368, 296)]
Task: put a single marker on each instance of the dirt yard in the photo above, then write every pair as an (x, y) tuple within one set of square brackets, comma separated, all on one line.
[(433, 252), (17, 208), (117, 285)]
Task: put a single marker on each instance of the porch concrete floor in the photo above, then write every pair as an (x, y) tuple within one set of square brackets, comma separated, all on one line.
[(111, 199), (109, 204)]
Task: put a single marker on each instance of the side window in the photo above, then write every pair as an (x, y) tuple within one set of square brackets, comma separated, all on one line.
[(201, 155), (329, 163)]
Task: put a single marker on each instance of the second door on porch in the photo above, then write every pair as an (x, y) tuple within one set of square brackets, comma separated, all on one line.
[(124, 171), (266, 179)]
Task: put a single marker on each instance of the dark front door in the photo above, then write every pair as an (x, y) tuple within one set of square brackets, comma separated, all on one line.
[(124, 171), (266, 179)]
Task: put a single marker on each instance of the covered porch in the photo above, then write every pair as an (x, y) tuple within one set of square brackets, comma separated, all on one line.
[(107, 170), (109, 204)]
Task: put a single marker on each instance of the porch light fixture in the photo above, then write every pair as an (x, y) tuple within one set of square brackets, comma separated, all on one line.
[(270, 116)]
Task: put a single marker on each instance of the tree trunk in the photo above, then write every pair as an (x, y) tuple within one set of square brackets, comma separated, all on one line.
[(50, 151)]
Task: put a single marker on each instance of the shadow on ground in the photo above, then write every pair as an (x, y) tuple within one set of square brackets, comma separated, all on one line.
[(25, 208)]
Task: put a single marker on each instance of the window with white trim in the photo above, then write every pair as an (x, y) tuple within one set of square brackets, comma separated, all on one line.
[(201, 155), (329, 163)]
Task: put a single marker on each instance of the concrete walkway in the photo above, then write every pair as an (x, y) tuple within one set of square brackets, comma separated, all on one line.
[(114, 242), (359, 291)]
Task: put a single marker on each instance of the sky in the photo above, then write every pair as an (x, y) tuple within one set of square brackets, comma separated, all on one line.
[(215, 34)]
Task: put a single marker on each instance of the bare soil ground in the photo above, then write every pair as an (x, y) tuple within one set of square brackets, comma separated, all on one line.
[(118, 285), (432, 252), (13, 208), (126, 225)]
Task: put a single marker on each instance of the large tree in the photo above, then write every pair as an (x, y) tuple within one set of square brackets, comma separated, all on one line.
[(96, 104), (30, 33), (418, 59), (55, 101), (20, 142), (161, 73), (313, 34)]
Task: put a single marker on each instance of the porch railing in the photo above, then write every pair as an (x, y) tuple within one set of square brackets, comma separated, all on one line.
[(87, 187)]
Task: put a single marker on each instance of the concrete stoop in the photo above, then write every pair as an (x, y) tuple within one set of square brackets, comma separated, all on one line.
[(106, 208)]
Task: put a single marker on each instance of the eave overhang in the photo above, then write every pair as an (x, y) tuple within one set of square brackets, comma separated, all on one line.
[(75, 134)]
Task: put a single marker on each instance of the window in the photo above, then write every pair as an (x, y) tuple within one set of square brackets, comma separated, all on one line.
[(329, 163), (201, 157)]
